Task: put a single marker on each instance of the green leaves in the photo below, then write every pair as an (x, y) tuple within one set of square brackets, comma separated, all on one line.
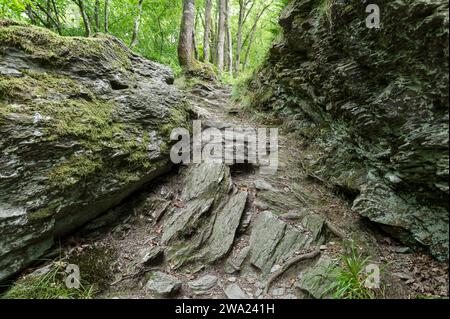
[(159, 24), (351, 278)]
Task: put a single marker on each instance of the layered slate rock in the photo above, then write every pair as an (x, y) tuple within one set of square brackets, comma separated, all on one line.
[(162, 284), (83, 123), (372, 105), (234, 263), (233, 291), (317, 280), (150, 255), (202, 230), (273, 241), (203, 285)]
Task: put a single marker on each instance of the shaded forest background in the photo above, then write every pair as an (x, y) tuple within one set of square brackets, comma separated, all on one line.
[(241, 30)]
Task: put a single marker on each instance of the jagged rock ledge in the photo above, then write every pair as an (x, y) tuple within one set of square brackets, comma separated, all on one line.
[(372, 105)]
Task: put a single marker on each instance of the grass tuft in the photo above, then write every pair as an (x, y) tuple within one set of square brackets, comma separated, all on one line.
[(49, 285), (351, 277)]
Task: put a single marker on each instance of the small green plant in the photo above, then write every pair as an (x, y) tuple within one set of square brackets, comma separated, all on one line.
[(351, 278), (48, 285)]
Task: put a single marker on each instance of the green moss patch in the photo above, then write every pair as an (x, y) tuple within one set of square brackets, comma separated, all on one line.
[(204, 71), (96, 265), (46, 45)]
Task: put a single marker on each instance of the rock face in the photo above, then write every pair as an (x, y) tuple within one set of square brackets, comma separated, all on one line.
[(162, 284), (203, 228), (233, 291), (317, 280), (83, 123), (274, 241), (372, 105), (202, 285)]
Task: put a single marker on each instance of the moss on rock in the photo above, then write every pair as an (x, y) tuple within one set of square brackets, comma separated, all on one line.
[(47, 46), (84, 123), (203, 70)]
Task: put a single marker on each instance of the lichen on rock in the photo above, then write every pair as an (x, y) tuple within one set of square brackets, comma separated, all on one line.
[(84, 122)]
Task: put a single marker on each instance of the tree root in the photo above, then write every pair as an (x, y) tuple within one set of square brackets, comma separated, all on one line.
[(335, 230), (288, 265)]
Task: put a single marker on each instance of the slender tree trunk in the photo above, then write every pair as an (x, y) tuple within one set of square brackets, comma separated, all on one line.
[(48, 11), (206, 37), (247, 53), (243, 15), (225, 46), (57, 19), (213, 42), (229, 41), (35, 16), (252, 33), (30, 13), (194, 39), (194, 46), (97, 15), (49, 22), (186, 31), (106, 22), (221, 36), (134, 38), (87, 25)]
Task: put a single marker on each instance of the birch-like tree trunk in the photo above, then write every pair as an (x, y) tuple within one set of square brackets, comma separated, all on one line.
[(207, 34), (221, 36), (213, 42), (97, 15), (137, 20), (87, 24), (106, 22), (186, 31), (229, 41)]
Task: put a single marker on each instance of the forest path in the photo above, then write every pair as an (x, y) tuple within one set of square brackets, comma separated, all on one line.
[(286, 215)]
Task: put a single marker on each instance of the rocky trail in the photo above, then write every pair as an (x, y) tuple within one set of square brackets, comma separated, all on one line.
[(87, 178), (218, 231)]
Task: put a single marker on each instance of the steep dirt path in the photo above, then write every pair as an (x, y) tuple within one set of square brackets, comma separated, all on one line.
[(287, 215)]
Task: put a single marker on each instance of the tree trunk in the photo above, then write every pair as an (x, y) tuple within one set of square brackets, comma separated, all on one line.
[(57, 19), (194, 46), (247, 53), (243, 15), (87, 25), (106, 16), (194, 39), (48, 11), (50, 22), (97, 15), (34, 15), (186, 31), (229, 42), (206, 37), (221, 36), (134, 38), (251, 35), (213, 42), (30, 13)]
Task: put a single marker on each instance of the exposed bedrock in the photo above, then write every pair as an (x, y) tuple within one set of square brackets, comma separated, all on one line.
[(83, 123), (372, 105)]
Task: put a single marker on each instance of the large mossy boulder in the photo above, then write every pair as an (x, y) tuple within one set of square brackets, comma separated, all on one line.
[(84, 122), (372, 105)]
